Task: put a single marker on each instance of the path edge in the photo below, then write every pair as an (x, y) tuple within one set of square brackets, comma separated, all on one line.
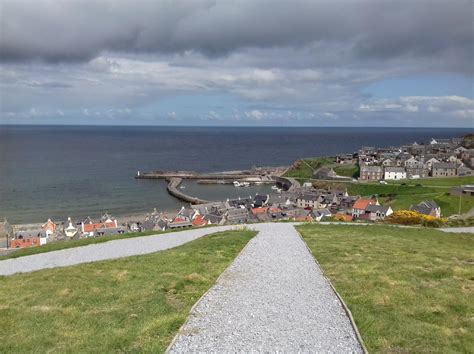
[(344, 306), (175, 338)]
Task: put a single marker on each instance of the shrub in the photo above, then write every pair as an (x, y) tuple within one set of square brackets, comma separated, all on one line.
[(409, 217), (462, 222)]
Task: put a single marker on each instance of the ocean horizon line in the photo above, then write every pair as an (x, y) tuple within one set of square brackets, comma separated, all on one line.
[(230, 126)]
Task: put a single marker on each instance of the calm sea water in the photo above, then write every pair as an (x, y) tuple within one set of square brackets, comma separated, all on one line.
[(60, 171)]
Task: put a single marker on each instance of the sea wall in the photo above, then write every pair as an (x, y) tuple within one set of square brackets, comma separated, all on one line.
[(173, 184)]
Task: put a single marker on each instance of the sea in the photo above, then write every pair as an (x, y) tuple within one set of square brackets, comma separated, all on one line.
[(79, 171)]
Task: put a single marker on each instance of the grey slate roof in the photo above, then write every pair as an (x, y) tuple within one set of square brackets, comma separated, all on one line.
[(260, 200), (371, 168), (309, 196), (425, 207), (394, 169), (321, 212), (377, 208), (213, 218), (30, 233), (105, 231), (444, 165)]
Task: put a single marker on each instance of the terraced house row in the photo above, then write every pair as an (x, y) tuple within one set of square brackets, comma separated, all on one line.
[(439, 158)]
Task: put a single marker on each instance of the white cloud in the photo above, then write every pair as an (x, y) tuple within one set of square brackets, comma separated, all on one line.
[(330, 115), (448, 105), (255, 114)]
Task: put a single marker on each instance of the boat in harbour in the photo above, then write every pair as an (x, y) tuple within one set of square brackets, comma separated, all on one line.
[(241, 184)]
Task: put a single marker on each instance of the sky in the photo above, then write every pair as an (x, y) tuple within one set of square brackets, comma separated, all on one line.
[(238, 63)]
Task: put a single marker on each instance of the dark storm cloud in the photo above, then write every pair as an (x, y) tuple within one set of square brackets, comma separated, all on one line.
[(79, 31)]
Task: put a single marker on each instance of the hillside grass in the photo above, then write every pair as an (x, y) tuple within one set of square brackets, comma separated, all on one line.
[(347, 170), (400, 196), (409, 290), (134, 304), (64, 244), (438, 182), (303, 169)]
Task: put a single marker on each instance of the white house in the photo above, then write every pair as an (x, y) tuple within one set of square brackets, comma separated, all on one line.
[(378, 212), (70, 230), (395, 173)]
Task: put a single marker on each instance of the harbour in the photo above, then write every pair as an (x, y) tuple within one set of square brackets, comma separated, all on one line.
[(242, 178)]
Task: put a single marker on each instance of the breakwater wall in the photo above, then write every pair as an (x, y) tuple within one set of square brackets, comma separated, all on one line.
[(287, 183), (173, 184), (194, 175)]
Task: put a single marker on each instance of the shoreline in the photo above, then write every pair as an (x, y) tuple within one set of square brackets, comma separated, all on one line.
[(121, 219)]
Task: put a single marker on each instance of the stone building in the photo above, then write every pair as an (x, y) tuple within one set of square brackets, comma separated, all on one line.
[(371, 173), (443, 169)]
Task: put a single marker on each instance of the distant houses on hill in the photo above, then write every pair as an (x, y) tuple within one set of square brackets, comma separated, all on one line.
[(439, 158)]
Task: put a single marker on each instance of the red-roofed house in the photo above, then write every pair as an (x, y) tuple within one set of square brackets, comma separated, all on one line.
[(88, 229), (360, 205), (25, 242), (260, 210), (27, 238), (50, 228), (199, 221)]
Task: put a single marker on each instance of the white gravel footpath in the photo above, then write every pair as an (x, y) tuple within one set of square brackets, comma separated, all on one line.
[(273, 298), (103, 251), (467, 229)]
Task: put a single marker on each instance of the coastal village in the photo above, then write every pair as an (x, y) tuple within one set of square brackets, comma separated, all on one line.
[(293, 202)]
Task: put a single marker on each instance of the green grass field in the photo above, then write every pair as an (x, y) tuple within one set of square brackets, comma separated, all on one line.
[(303, 169), (347, 170), (60, 245), (135, 304), (397, 194), (438, 182), (409, 290), (400, 196)]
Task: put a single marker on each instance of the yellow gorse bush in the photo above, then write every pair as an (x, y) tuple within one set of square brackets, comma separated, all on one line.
[(410, 217)]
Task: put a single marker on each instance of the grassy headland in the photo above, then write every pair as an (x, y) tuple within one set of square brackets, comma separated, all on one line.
[(352, 170), (438, 182), (303, 169), (410, 290), (406, 193), (135, 304), (398, 194)]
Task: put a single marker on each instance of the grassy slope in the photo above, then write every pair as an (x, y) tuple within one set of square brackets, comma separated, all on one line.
[(403, 196), (60, 245), (133, 304), (409, 290), (439, 182), (347, 170), (303, 169), (394, 194)]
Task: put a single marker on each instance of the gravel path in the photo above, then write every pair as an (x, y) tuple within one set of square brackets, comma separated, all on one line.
[(102, 251), (272, 298), (467, 229)]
